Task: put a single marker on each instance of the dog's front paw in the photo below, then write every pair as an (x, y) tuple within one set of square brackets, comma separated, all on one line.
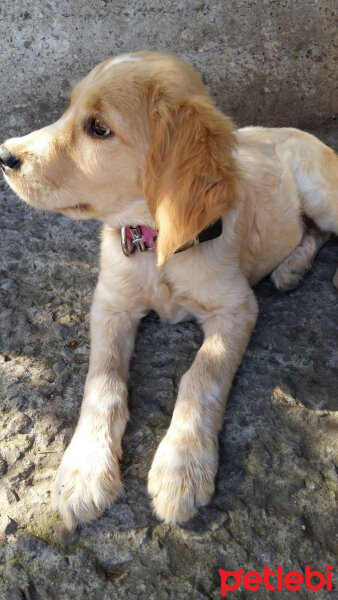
[(88, 479), (182, 477)]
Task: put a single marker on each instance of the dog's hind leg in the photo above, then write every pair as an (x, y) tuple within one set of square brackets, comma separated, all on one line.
[(315, 169), (290, 273)]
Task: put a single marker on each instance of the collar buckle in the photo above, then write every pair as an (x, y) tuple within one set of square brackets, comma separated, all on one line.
[(129, 245)]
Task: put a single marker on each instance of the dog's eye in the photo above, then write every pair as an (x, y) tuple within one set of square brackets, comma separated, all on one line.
[(96, 126)]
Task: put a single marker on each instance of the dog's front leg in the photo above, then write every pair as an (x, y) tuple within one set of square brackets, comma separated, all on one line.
[(184, 467), (88, 478)]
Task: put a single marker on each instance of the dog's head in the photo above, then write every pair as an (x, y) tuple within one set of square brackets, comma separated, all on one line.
[(138, 126)]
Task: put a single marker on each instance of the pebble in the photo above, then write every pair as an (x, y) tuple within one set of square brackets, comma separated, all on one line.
[(3, 466), (7, 497), (28, 467), (59, 367), (30, 544), (62, 331), (8, 526), (122, 516), (19, 423)]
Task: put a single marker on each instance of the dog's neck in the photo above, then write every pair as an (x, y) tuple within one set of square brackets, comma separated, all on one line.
[(135, 213)]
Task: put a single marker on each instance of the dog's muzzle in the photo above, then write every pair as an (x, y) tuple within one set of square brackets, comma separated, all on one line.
[(8, 160)]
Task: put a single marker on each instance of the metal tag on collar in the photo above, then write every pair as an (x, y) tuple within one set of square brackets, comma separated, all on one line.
[(128, 245)]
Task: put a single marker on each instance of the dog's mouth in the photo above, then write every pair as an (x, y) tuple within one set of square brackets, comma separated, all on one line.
[(36, 194), (7, 171), (83, 207)]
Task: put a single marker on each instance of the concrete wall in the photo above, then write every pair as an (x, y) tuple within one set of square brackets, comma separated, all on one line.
[(268, 62)]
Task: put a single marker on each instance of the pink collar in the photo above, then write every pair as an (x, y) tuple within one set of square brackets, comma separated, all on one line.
[(140, 236)]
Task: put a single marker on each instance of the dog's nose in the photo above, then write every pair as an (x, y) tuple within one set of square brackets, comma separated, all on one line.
[(7, 159)]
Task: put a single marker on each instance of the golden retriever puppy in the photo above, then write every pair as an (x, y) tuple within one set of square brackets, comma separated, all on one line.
[(143, 149)]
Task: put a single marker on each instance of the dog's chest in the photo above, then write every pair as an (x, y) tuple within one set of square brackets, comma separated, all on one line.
[(167, 302), (175, 291)]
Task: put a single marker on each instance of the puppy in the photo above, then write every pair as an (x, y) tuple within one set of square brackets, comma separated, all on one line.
[(195, 212)]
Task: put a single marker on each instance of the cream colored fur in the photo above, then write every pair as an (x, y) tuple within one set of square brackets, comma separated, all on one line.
[(177, 163)]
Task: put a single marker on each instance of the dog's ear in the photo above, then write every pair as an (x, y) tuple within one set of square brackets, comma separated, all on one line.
[(189, 175)]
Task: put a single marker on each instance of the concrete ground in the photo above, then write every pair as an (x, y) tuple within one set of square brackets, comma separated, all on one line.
[(276, 492), (275, 500)]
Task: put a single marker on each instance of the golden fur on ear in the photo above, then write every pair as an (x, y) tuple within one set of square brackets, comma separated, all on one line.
[(189, 175)]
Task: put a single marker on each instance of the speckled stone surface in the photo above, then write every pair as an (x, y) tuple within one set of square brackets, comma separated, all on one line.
[(265, 62), (276, 490)]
